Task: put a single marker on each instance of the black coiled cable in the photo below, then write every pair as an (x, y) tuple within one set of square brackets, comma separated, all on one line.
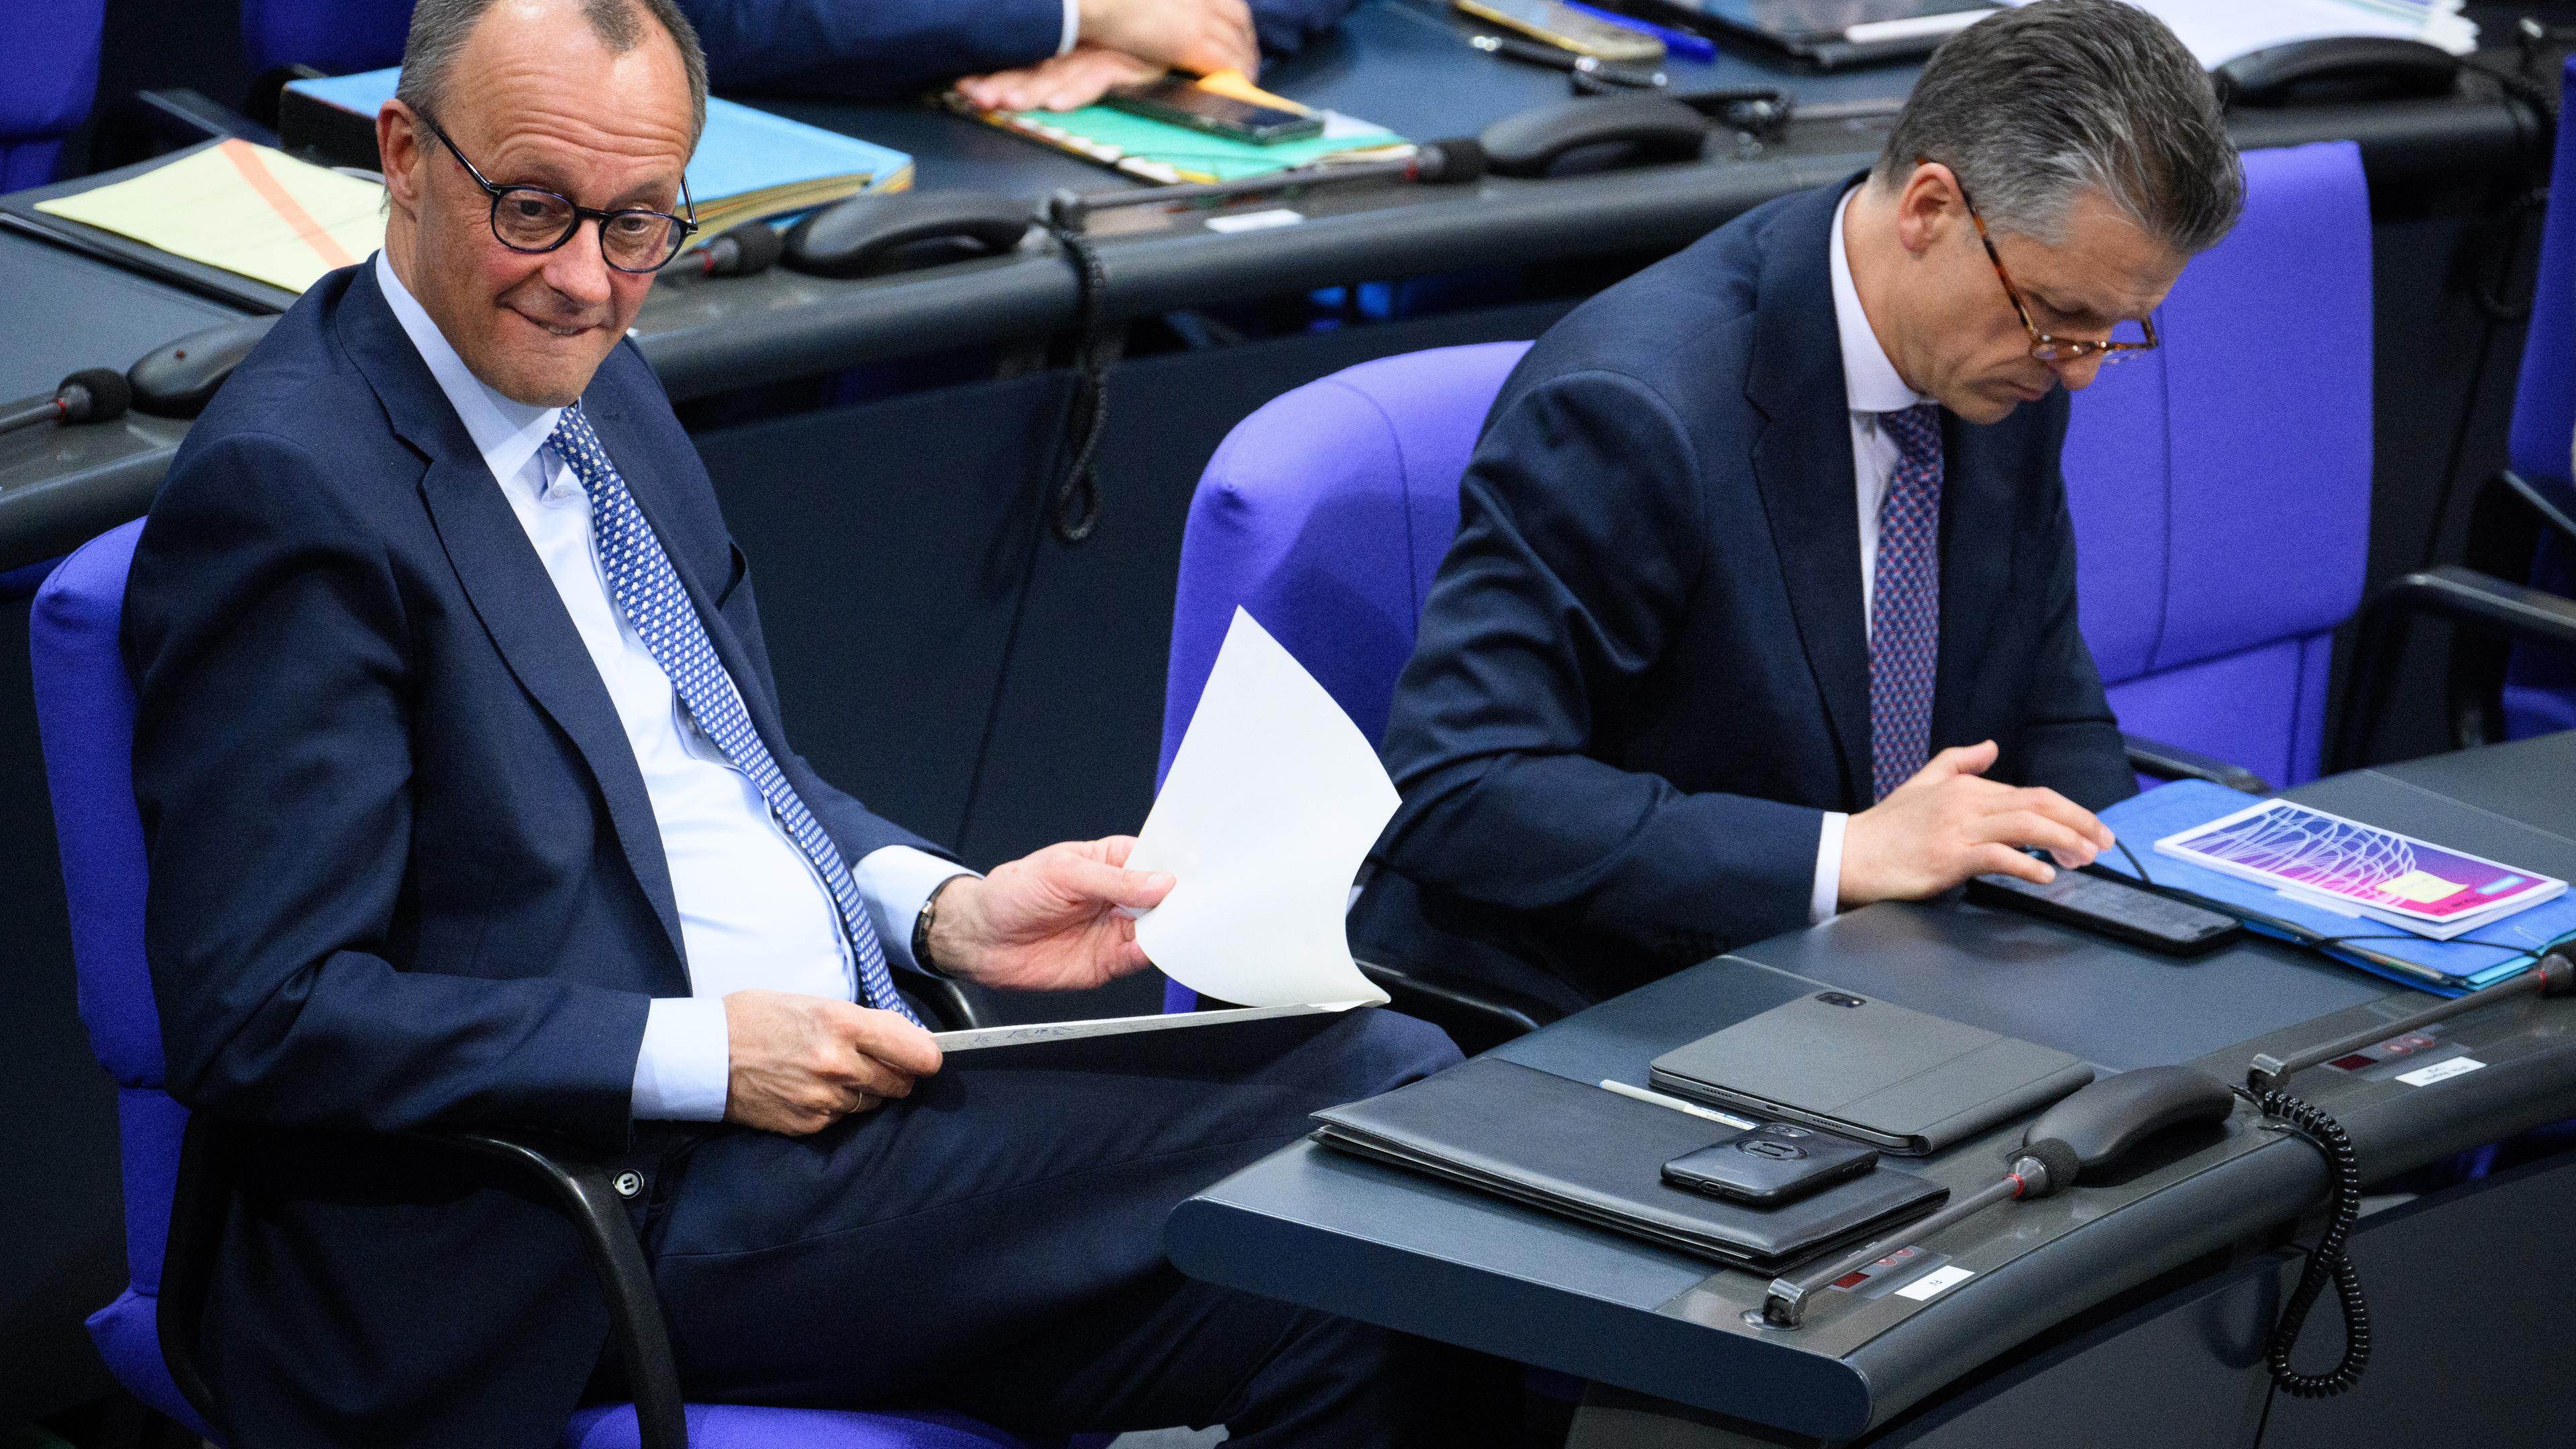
[(1073, 505), (2327, 1261)]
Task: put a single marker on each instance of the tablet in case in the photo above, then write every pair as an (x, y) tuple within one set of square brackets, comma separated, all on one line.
[(1573, 1149), (1897, 1079)]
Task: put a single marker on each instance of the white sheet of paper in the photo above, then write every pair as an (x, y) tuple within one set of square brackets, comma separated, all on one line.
[(1271, 805)]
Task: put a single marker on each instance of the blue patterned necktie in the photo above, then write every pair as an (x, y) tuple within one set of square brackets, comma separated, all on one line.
[(649, 593), (1905, 602)]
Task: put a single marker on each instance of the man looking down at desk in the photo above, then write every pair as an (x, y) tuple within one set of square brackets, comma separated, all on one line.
[(1016, 55), (1762, 602), (468, 804)]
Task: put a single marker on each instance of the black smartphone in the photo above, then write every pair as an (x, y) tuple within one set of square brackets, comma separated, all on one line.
[(2114, 908), (1772, 1164), (1184, 102)]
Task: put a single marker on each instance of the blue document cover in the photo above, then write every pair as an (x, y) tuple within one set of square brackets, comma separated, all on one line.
[(743, 151), (2480, 958)]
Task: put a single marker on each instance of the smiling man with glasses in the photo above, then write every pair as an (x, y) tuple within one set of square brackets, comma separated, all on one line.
[(1762, 602), (469, 804)]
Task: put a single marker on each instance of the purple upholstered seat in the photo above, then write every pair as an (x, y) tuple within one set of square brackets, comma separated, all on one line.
[(335, 37), (85, 714), (2219, 548), (2221, 484), (48, 76), (2540, 684)]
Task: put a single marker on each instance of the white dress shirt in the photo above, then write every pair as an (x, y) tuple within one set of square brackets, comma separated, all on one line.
[(1871, 386), (753, 910)]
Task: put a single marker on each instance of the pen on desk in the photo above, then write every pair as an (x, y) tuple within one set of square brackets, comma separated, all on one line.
[(1566, 60), (1679, 42), (1678, 1105)]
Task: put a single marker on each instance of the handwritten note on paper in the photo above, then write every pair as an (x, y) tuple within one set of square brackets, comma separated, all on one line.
[(1271, 805)]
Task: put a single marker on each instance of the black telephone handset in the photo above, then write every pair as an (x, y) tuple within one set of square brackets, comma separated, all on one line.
[(869, 236), (2339, 68), (1651, 128)]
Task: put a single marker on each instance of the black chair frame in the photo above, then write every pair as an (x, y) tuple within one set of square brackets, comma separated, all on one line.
[(570, 1182)]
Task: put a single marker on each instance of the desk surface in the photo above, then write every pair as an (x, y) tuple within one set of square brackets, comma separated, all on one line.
[(1322, 1229)]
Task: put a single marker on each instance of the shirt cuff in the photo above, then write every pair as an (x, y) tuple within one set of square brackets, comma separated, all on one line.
[(896, 881), (682, 1073), (1072, 32), (1827, 893)]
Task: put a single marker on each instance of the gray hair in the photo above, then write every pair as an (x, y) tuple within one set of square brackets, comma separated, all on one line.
[(440, 28), (2030, 107)]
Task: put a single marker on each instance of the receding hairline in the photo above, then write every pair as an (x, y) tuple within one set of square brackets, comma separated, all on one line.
[(442, 30)]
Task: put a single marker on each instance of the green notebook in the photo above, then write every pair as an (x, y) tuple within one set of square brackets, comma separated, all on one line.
[(1163, 153)]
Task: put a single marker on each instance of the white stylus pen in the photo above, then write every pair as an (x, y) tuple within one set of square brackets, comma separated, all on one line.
[(1678, 1105)]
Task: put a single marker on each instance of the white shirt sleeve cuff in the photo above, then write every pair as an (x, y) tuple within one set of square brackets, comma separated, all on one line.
[(896, 881), (1828, 889), (687, 1061), (1072, 32)]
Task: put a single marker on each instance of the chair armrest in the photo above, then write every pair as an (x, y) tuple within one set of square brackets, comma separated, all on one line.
[(943, 1003), (570, 1184), (1476, 1014), (2173, 762), (2463, 596)]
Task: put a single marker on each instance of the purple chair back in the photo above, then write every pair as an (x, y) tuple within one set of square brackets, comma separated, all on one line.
[(2540, 683), (85, 715), (2221, 484), (332, 36), (48, 76)]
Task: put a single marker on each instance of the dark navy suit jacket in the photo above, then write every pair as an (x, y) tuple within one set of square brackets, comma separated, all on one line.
[(883, 48), (404, 871), (1642, 675)]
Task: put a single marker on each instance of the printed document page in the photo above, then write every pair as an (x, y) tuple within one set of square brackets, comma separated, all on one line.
[(1272, 803)]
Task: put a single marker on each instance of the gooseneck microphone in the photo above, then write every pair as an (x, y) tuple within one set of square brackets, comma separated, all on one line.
[(1433, 163), (748, 248), (91, 395), (2088, 1132)]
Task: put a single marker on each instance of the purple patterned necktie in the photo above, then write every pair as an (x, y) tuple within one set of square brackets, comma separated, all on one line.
[(649, 593), (1905, 602)]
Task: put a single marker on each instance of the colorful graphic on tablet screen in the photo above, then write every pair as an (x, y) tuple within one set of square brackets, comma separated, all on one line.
[(2299, 849)]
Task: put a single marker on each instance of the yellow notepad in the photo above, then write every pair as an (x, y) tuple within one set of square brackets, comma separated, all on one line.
[(244, 208)]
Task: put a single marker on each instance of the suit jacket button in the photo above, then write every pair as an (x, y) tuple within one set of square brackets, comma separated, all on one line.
[(628, 1184)]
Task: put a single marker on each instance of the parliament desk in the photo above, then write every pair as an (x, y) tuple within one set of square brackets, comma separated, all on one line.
[(883, 448), (2126, 1312)]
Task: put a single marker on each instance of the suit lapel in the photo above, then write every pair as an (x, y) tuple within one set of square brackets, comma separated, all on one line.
[(1978, 527), (508, 586), (1802, 465)]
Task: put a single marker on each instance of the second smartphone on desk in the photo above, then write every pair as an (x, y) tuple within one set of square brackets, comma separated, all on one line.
[(1773, 1164)]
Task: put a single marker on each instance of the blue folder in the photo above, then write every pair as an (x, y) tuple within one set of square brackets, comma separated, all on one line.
[(743, 153), (2480, 958)]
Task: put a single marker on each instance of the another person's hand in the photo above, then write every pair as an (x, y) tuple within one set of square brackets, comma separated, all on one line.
[(802, 1063), (1947, 824), (1047, 922), (1064, 82), (1198, 36), (1125, 42)]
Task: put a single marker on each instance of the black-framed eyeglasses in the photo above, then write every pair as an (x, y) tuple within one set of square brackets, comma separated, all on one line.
[(533, 219), (2043, 346)]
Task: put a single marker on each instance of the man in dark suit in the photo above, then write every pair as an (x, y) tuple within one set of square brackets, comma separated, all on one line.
[(467, 802), (1762, 603), (1008, 54)]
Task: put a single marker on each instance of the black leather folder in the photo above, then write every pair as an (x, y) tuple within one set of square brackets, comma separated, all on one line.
[(1575, 1149)]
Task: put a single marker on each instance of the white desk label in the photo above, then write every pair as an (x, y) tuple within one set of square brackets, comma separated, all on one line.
[(1935, 1283), (1256, 220), (2441, 1071)]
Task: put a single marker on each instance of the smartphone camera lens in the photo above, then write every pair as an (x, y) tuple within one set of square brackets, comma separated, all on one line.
[(1839, 998)]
